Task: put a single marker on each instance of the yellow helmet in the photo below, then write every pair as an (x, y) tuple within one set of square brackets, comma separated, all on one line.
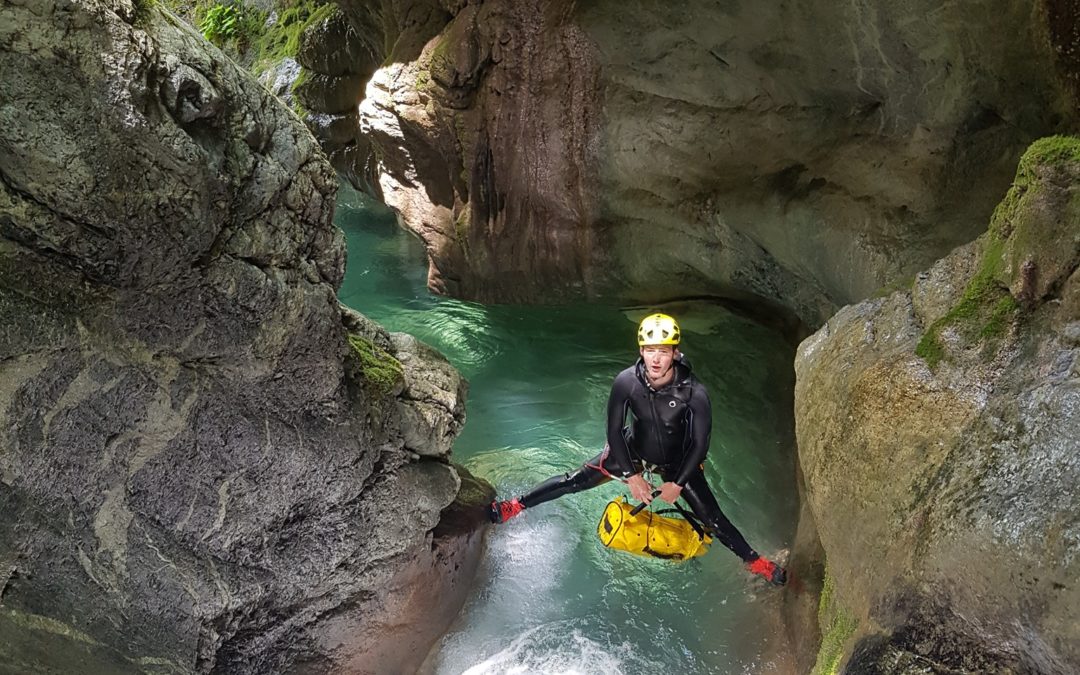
[(658, 329)]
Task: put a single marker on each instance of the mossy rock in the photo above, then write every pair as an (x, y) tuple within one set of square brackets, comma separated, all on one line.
[(282, 37), (837, 627), (1033, 242), (379, 373)]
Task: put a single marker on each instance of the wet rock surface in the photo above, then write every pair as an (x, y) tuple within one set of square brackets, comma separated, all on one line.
[(199, 469), (938, 432), (803, 156)]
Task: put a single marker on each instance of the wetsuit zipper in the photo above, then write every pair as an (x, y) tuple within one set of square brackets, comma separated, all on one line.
[(656, 420)]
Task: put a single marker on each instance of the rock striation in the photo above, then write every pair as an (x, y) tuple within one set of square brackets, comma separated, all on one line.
[(939, 434), (796, 157), (206, 463)]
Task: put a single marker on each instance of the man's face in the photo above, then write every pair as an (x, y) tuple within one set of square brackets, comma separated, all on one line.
[(658, 359)]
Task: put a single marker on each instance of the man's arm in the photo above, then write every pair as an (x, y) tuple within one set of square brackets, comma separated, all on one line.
[(618, 402), (700, 421), (618, 450)]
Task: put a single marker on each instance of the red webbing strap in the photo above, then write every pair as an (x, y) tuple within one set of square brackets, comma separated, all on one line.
[(600, 465)]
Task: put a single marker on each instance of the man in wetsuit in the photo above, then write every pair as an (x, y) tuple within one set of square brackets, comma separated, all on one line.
[(670, 424)]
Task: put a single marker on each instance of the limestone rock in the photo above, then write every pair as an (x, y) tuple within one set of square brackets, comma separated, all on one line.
[(330, 94), (334, 47), (802, 155), (938, 432), (432, 404), (190, 480)]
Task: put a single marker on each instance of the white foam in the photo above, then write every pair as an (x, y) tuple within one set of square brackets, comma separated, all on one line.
[(547, 649)]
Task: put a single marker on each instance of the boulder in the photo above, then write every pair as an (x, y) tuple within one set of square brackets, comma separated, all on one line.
[(938, 433)]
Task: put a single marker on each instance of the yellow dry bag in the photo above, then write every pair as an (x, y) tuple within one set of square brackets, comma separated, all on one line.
[(650, 534)]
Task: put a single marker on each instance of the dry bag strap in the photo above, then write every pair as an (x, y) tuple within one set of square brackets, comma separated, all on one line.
[(689, 517)]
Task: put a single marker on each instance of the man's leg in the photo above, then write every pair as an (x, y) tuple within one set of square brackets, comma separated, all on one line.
[(701, 499), (587, 476)]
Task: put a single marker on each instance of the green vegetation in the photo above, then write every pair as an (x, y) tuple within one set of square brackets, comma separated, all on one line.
[(987, 308), (380, 371), (221, 22), (423, 80), (1052, 150), (253, 37), (984, 311), (837, 626), (281, 39)]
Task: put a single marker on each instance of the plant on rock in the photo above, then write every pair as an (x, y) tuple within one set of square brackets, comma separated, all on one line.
[(221, 23), (379, 371)]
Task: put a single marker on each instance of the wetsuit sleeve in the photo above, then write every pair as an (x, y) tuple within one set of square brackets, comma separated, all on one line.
[(700, 421), (619, 462)]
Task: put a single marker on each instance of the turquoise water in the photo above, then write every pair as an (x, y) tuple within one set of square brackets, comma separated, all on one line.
[(550, 598)]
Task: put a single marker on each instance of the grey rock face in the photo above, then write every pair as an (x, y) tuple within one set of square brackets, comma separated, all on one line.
[(939, 433), (797, 155), (338, 59), (190, 480)]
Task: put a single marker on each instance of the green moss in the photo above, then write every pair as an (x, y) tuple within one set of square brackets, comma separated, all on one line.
[(1052, 150), (837, 625), (441, 50), (930, 349), (281, 39), (440, 63), (1001, 315), (301, 79), (422, 80), (380, 371), (986, 309)]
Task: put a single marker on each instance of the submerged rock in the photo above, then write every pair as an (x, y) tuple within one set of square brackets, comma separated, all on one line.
[(939, 433), (202, 467)]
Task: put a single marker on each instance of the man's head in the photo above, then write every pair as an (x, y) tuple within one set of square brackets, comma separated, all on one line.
[(658, 343)]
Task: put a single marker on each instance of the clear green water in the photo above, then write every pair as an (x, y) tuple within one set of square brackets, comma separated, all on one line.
[(549, 598)]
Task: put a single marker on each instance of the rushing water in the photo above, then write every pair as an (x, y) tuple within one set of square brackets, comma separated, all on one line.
[(549, 597)]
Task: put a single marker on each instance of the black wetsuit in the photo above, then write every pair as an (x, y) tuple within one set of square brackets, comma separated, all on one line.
[(668, 430)]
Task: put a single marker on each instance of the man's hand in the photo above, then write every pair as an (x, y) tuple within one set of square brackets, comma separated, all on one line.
[(639, 488), (669, 492)]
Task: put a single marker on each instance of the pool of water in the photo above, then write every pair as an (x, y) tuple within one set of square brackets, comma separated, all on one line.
[(549, 597)]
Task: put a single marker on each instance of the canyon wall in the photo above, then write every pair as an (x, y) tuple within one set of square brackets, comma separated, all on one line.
[(793, 158), (206, 463)]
